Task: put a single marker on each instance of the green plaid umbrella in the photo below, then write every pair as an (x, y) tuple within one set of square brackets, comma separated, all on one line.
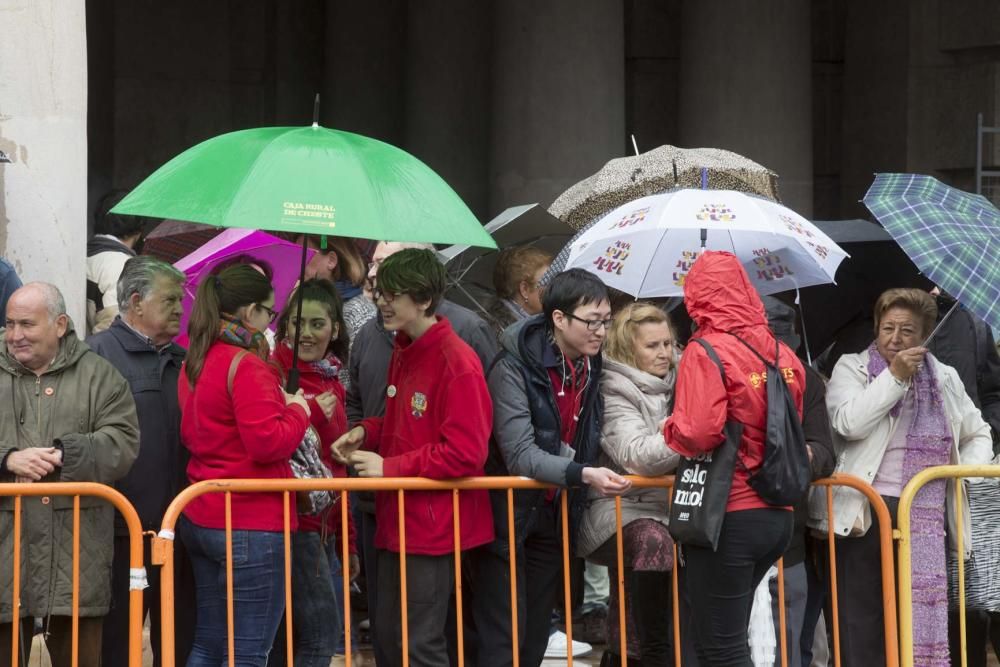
[(952, 236)]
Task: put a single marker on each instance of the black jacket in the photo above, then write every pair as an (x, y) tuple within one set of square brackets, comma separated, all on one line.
[(526, 428), (159, 472), (966, 344), (369, 365), (816, 429)]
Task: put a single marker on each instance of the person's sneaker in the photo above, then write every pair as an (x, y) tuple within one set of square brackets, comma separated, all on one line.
[(557, 647)]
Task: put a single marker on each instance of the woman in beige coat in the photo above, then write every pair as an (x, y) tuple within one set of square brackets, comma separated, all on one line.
[(896, 410), (637, 384)]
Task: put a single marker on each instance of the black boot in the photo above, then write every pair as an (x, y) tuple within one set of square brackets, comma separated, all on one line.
[(653, 611), (612, 659)]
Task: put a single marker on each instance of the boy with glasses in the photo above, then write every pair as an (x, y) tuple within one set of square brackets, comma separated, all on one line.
[(546, 425), (436, 425)]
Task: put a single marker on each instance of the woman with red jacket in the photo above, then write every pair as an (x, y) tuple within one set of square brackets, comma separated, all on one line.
[(437, 423), (323, 343), (237, 423), (720, 584)]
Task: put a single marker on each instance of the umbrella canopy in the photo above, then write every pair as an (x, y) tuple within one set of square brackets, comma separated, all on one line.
[(665, 168), (281, 256), (470, 270), (842, 313), (952, 236), (307, 180), (172, 240), (647, 247)]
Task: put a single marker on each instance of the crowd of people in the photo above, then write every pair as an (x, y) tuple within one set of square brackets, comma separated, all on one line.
[(549, 382)]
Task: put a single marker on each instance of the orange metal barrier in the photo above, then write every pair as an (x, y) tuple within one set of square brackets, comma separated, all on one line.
[(162, 555), (887, 565), (950, 472), (76, 490)]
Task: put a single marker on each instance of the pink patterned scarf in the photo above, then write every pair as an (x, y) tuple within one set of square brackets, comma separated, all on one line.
[(928, 443)]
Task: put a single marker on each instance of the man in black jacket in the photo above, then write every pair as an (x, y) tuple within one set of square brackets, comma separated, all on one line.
[(114, 242), (547, 413), (804, 586), (369, 367), (139, 343)]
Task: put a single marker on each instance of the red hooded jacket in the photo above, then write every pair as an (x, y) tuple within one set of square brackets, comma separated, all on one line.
[(313, 383), (720, 298), (437, 424)]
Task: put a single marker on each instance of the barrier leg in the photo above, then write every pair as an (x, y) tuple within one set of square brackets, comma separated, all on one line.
[(567, 592), (459, 621), (515, 650)]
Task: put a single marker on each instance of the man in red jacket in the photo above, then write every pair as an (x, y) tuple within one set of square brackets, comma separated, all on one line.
[(437, 423)]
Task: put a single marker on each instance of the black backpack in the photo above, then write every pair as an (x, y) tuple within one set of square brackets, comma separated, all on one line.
[(785, 473)]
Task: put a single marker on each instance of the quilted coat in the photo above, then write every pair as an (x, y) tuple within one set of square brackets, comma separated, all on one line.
[(82, 402)]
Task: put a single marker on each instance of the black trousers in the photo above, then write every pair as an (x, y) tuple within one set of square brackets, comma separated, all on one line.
[(115, 642), (429, 588), (721, 584), (859, 595), (539, 573)]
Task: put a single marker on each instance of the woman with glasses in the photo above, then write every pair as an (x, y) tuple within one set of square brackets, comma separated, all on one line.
[(515, 279), (237, 423), (637, 384)]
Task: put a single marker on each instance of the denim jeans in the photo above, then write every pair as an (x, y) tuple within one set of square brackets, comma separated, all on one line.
[(258, 593), (337, 575), (314, 606)]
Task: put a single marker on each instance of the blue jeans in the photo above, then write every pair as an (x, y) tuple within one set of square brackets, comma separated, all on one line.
[(314, 606), (337, 575), (258, 593)]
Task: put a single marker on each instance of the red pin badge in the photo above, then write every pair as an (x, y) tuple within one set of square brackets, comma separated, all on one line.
[(49, 391)]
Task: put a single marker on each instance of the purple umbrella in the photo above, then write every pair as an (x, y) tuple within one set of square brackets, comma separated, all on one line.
[(283, 258)]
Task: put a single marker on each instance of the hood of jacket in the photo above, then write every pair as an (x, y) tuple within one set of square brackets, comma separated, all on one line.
[(71, 350), (719, 296)]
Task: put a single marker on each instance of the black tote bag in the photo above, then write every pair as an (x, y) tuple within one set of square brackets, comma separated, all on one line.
[(702, 484)]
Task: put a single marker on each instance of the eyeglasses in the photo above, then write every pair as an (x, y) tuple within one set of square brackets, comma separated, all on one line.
[(388, 297), (592, 325), (271, 312)]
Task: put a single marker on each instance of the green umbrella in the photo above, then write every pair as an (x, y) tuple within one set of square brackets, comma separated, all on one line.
[(307, 180)]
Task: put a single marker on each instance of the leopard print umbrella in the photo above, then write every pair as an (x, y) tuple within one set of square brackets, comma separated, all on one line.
[(665, 168)]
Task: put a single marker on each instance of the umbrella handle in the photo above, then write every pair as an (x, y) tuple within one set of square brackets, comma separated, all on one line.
[(940, 324), (292, 384)]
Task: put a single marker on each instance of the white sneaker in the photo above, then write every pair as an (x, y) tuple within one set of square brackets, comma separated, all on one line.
[(557, 646)]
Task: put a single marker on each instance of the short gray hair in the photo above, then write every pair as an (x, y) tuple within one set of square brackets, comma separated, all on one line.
[(55, 303), (138, 277)]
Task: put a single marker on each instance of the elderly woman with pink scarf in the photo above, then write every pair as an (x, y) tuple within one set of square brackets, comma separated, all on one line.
[(896, 410)]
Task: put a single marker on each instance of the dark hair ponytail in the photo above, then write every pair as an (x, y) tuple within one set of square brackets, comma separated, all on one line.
[(220, 294), (324, 292)]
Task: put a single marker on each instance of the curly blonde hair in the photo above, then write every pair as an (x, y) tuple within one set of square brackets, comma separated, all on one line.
[(620, 344)]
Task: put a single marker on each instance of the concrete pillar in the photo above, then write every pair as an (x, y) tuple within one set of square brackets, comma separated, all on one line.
[(43, 129), (447, 101), (558, 96), (746, 86), (363, 77)]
